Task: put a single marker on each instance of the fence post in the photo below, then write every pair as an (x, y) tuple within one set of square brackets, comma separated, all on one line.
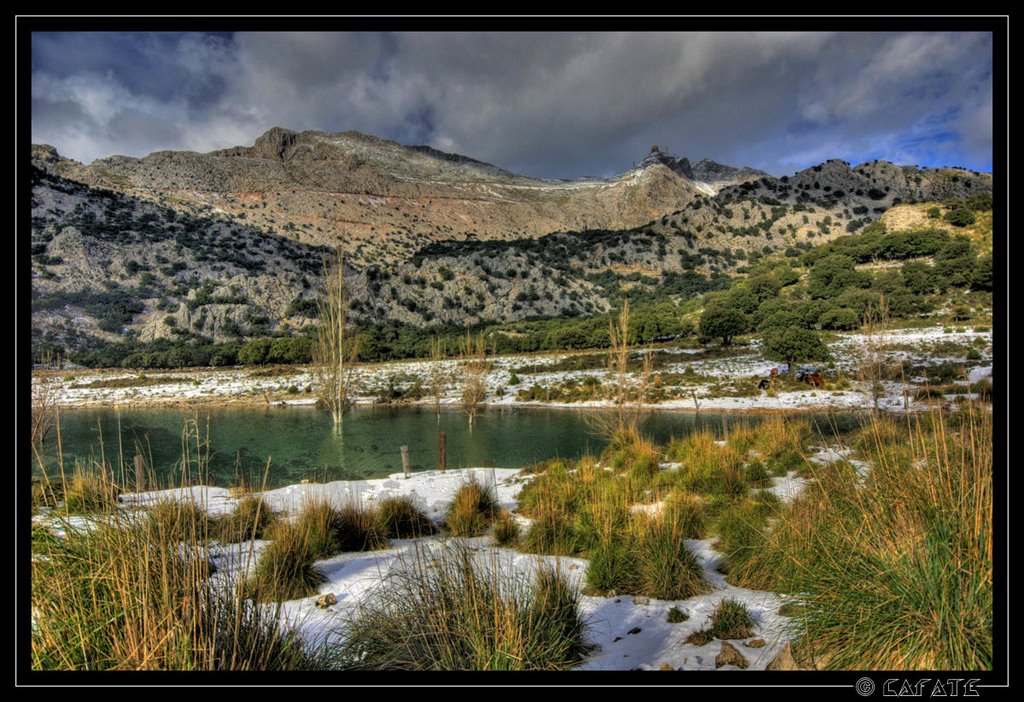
[(405, 461)]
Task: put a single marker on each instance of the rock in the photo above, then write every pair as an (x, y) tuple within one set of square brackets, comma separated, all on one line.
[(791, 610), (641, 600), (666, 666), (616, 639), (325, 601), (634, 630), (730, 656), (785, 659), (573, 566), (755, 643)]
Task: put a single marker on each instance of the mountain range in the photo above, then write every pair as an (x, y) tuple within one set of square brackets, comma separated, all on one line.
[(229, 245)]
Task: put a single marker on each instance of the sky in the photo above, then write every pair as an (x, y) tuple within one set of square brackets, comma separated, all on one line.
[(553, 105)]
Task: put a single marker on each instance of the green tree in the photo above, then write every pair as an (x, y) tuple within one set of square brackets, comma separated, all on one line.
[(722, 320), (960, 217), (832, 275), (781, 319), (919, 277), (255, 352), (981, 277), (842, 318), (792, 345)]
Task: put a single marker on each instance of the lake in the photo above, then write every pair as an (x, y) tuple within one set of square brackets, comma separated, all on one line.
[(299, 443)]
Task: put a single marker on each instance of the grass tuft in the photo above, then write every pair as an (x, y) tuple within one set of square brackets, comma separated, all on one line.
[(284, 570), (136, 595), (471, 511), (443, 610), (402, 519), (506, 529), (90, 493), (676, 616), (251, 519), (731, 620)]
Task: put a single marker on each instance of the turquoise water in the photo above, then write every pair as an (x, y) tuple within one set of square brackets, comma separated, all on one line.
[(299, 443)]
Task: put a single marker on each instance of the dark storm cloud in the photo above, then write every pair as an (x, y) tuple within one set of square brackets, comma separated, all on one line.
[(551, 104)]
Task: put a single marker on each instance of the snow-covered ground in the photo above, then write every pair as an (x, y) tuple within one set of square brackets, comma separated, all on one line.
[(629, 632), (711, 388)]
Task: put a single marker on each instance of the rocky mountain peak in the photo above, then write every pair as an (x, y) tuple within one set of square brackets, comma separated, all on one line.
[(274, 143), (679, 166)]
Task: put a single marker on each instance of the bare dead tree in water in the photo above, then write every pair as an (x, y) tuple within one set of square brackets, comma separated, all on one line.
[(474, 375), (334, 350), (46, 394), (627, 398), (437, 378)]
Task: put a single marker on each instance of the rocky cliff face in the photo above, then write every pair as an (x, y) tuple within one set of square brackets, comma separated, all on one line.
[(376, 199), (870, 188)]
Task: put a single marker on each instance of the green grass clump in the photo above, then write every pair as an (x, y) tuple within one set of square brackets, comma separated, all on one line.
[(688, 512), (471, 511), (328, 530), (702, 637), (630, 453), (44, 494), (136, 595), (506, 529), (553, 534), (741, 528), (742, 438), (251, 519), (316, 522), (786, 462), (284, 570), (611, 569), (707, 467), (917, 528), (651, 558), (181, 520), (359, 527), (731, 620), (782, 443), (666, 568), (402, 519), (90, 493), (756, 472), (676, 616), (445, 611)]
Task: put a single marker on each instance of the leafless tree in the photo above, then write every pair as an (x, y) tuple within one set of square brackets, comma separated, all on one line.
[(46, 394), (437, 378), (627, 398), (334, 350), (474, 375)]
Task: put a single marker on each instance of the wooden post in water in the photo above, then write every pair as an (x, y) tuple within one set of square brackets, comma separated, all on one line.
[(442, 451), (140, 472), (405, 461)]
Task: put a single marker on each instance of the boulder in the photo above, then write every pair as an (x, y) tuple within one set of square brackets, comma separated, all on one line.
[(729, 655), (325, 601)]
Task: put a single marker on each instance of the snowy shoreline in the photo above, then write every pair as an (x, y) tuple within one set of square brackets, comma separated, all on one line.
[(711, 389)]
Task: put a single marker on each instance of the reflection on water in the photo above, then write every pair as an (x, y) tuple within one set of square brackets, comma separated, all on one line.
[(299, 442)]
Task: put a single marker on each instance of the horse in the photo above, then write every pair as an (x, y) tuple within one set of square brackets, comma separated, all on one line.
[(814, 379), (764, 384)]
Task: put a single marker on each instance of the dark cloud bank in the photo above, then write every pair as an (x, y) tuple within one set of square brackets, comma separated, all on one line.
[(558, 105)]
